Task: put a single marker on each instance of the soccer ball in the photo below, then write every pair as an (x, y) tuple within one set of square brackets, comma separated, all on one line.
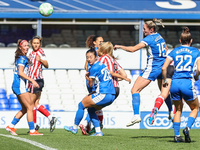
[(46, 9)]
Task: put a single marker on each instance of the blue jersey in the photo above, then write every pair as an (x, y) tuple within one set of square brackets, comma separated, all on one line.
[(19, 83), (93, 88), (156, 52), (101, 74), (185, 58)]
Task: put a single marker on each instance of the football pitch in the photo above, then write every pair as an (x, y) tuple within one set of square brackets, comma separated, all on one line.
[(113, 139)]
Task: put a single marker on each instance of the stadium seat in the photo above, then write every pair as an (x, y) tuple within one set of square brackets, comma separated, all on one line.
[(169, 46), (3, 96), (4, 107), (64, 46), (136, 72), (2, 44), (13, 101), (197, 45), (4, 101), (12, 45), (2, 91), (51, 46), (15, 107)]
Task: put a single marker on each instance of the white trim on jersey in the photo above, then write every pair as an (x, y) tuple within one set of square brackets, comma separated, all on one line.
[(193, 88), (98, 98), (22, 86), (148, 69), (145, 43)]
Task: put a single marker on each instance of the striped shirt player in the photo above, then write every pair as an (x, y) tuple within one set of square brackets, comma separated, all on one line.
[(105, 89), (113, 66), (19, 83), (35, 70), (182, 85), (156, 55)]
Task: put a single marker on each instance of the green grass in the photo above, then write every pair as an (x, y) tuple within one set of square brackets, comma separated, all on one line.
[(113, 139)]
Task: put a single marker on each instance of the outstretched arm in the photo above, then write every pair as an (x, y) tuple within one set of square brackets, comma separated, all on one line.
[(130, 48), (120, 76)]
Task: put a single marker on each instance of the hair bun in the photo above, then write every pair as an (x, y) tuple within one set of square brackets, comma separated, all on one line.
[(186, 30)]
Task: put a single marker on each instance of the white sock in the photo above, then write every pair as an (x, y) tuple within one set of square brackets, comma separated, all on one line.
[(11, 125), (137, 115), (50, 117), (84, 123), (98, 129), (32, 131), (75, 126)]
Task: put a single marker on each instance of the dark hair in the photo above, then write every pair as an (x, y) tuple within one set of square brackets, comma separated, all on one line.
[(18, 52), (36, 37), (185, 36), (91, 50), (152, 24), (90, 40)]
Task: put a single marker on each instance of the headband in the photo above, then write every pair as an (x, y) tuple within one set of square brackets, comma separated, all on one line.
[(22, 42)]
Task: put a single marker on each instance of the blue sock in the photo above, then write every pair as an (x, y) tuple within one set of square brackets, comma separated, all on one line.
[(87, 118), (31, 125), (15, 121), (190, 122), (136, 103), (79, 114), (177, 128), (93, 117), (168, 102)]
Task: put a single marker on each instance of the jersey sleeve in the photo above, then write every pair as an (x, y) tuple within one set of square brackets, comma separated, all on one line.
[(147, 40), (93, 72), (118, 66), (170, 55), (22, 61), (42, 55)]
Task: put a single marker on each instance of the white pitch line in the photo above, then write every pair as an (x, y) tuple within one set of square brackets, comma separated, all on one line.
[(89, 5), (69, 5), (25, 4), (107, 4), (30, 142)]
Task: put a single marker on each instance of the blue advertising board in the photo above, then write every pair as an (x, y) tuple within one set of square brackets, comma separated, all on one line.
[(90, 9), (162, 121)]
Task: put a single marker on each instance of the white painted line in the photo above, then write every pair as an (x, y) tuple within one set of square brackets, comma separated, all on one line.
[(60, 9), (107, 4), (25, 4), (89, 5), (30, 142), (78, 8)]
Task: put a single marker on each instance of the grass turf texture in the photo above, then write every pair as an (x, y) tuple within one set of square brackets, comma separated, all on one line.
[(113, 139)]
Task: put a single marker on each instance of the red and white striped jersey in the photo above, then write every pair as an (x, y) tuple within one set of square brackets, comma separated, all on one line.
[(112, 65), (35, 70)]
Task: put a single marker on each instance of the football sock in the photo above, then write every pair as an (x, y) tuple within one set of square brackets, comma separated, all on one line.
[(31, 126), (159, 102), (87, 119), (98, 129), (75, 126), (93, 117), (14, 122), (136, 103), (190, 122), (100, 115), (43, 110), (176, 128), (34, 115), (168, 102), (79, 114)]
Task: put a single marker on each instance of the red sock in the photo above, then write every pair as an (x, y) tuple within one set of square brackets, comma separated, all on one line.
[(43, 110), (34, 115), (174, 110), (159, 102), (100, 115)]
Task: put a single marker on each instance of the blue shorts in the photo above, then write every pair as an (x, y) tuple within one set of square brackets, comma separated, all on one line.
[(152, 74), (19, 90), (183, 88), (103, 99)]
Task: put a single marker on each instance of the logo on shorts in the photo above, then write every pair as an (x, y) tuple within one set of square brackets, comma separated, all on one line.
[(161, 122)]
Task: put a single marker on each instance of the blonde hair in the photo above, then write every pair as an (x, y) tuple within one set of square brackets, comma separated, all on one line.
[(106, 48), (152, 24)]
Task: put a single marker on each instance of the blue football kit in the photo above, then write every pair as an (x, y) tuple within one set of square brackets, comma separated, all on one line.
[(19, 83), (182, 85)]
